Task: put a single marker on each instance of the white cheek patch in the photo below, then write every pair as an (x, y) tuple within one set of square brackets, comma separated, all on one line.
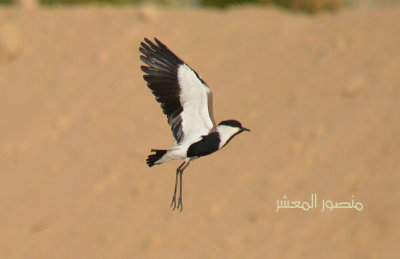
[(225, 133)]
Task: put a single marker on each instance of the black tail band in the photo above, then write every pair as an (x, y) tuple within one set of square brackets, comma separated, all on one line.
[(151, 159)]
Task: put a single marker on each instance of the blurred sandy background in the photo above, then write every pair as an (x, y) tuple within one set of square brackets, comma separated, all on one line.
[(320, 93)]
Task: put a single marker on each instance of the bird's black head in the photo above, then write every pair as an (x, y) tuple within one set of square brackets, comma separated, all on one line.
[(234, 124)]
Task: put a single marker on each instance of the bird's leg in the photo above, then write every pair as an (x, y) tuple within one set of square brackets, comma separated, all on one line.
[(180, 204), (173, 202)]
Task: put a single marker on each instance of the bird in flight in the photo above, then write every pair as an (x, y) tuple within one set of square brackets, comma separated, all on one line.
[(187, 101)]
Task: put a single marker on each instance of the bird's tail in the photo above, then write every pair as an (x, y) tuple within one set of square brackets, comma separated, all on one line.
[(153, 158)]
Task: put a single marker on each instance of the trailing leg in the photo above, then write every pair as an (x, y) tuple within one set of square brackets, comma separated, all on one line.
[(180, 203), (178, 170)]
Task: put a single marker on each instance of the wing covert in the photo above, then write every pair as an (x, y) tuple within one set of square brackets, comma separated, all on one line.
[(184, 97)]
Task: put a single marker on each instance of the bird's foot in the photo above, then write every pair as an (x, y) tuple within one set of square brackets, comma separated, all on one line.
[(180, 204), (173, 203)]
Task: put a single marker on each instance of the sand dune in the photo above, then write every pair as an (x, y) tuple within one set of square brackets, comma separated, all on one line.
[(320, 94)]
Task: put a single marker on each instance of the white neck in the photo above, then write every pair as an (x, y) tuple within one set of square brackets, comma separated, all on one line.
[(225, 133)]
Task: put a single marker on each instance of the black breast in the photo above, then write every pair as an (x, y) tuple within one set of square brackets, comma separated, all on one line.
[(207, 145)]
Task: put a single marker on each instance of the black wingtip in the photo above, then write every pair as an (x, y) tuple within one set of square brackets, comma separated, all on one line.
[(142, 50), (144, 69), (147, 44), (158, 42)]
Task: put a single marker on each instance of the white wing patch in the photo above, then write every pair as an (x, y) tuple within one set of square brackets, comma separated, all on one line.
[(196, 119)]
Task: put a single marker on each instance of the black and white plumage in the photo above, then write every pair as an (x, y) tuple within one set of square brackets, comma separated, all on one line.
[(187, 101)]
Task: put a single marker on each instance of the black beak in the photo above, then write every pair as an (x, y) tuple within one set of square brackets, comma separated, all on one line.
[(244, 129)]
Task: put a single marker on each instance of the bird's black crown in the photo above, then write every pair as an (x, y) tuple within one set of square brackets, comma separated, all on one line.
[(232, 123)]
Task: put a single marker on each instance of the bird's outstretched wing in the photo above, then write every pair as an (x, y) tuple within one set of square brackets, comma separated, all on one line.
[(184, 97)]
